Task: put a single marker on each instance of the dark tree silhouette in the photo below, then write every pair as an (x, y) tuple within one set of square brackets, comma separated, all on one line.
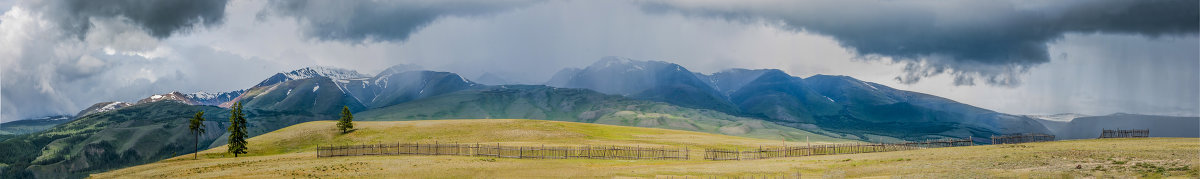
[(237, 130), (197, 127)]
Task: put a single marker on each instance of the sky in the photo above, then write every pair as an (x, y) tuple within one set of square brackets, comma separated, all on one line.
[(1092, 57)]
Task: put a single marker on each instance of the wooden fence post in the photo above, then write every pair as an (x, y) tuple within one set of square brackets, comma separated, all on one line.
[(639, 152)]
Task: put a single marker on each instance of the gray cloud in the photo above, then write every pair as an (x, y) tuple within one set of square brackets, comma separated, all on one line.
[(45, 70), (61, 56), (990, 41), (358, 21), (160, 18)]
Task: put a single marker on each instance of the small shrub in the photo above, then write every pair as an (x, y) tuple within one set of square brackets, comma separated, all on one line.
[(1119, 162)]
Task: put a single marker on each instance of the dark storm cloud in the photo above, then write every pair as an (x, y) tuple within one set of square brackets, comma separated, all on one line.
[(358, 21), (993, 41), (159, 18)]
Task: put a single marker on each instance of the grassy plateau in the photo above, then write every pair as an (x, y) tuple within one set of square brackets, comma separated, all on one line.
[(289, 153)]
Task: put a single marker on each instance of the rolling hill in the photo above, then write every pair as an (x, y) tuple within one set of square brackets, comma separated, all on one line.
[(288, 153), (304, 137)]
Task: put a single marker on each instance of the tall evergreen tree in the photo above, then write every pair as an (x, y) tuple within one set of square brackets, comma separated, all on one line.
[(197, 127), (347, 121), (237, 130)]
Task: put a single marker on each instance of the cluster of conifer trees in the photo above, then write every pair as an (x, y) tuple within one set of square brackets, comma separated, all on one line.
[(237, 128)]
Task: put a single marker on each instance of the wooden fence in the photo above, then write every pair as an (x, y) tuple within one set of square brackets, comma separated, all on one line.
[(1021, 138), (496, 150), (830, 149), (1132, 133)]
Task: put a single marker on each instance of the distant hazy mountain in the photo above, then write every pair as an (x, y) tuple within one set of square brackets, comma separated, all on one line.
[(1159, 126), (648, 80), (562, 77), (1056, 123), (400, 68), (489, 78), (32, 125)]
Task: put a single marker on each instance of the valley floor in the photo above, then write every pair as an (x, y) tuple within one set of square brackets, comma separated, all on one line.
[(1144, 157)]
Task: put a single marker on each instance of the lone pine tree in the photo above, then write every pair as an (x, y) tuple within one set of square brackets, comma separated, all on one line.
[(197, 128), (237, 130), (347, 121)]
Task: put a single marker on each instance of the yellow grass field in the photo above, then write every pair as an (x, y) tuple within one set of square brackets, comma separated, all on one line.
[(288, 153)]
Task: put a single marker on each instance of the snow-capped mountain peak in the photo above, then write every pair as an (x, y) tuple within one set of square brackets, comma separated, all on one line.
[(211, 98), (172, 96), (202, 95), (330, 72), (336, 74)]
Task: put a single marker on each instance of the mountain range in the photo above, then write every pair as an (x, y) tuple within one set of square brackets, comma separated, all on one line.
[(864, 110), (761, 103)]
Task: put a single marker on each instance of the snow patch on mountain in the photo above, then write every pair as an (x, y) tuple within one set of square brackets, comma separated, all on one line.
[(112, 106), (103, 107)]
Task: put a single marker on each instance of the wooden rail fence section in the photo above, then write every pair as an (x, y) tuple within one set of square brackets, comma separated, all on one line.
[(1132, 133), (1021, 138), (830, 149), (496, 150)]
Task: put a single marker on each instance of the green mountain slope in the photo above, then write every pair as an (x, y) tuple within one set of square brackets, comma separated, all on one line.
[(104, 141), (318, 95), (128, 136), (581, 105)]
